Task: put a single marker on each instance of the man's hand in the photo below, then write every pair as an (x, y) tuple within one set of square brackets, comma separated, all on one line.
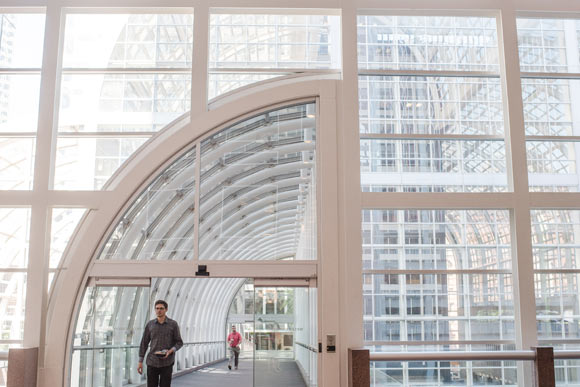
[(168, 353), (140, 368)]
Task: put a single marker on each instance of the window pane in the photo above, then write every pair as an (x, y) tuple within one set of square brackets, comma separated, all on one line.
[(274, 41), (551, 107), (13, 296), (430, 105), (444, 373), (555, 239), (64, 222), (159, 224), (21, 40), (427, 43), (433, 166), (439, 306), (137, 40), (549, 45), (16, 163), (258, 188), (552, 166), (221, 83), (19, 96), (107, 335), (14, 229), (87, 163), (122, 103), (269, 41)]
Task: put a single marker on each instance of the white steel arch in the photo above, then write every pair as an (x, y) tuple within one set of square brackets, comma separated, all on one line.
[(161, 150)]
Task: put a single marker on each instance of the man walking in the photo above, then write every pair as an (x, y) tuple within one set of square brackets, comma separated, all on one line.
[(234, 340), (163, 334)]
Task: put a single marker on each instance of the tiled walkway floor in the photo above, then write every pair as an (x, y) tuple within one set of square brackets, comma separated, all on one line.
[(281, 373)]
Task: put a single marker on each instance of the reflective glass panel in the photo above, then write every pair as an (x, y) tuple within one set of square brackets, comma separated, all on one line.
[(19, 96), (444, 373), (122, 102), (258, 188), (549, 45), (21, 40), (64, 222), (221, 83), (430, 105), (107, 336), (12, 307), (433, 166), (556, 247), (159, 223), (130, 40), (427, 43), (14, 232), (567, 372), (16, 163), (553, 166), (274, 41), (551, 107), (87, 163), (269, 42), (437, 307)]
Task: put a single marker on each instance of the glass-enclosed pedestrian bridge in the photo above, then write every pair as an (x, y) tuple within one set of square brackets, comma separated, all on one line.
[(225, 233), (277, 323)]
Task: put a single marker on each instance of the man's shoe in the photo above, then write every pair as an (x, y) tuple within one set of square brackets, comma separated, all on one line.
[(236, 367), (229, 367)]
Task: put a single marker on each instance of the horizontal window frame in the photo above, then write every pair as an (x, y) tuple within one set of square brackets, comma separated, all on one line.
[(429, 73)]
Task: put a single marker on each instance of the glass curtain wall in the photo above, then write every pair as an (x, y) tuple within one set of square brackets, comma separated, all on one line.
[(124, 77), (431, 120), (549, 63)]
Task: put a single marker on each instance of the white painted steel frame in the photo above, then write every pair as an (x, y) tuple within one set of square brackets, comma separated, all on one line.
[(162, 150), (105, 205)]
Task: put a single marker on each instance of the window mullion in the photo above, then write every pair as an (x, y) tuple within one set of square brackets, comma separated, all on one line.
[(200, 60), (520, 221)]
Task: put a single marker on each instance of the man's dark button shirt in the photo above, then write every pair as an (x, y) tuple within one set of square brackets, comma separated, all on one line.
[(162, 336)]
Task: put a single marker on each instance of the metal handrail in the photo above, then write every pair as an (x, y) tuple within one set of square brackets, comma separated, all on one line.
[(467, 356), (308, 347), (453, 355), (566, 355), (85, 347)]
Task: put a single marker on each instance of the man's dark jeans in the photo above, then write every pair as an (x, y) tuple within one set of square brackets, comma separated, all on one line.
[(159, 376)]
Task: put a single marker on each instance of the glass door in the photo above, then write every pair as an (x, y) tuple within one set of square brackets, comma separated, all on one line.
[(285, 335)]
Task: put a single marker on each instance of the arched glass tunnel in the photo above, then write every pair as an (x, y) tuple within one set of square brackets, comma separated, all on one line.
[(277, 323), (254, 183)]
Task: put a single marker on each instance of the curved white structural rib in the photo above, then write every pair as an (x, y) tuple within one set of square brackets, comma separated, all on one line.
[(255, 203)]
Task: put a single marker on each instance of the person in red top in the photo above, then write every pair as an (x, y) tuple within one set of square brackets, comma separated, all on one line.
[(234, 340)]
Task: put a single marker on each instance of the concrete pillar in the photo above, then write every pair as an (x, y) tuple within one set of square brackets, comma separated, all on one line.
[(359, 372), (22, 367)]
